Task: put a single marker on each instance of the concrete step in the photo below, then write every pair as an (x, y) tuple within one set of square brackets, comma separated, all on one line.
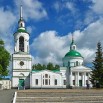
[(60, 96), (56, 94), (60, 99)]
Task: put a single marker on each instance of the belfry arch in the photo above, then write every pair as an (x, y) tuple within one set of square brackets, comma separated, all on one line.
[(21, 43)]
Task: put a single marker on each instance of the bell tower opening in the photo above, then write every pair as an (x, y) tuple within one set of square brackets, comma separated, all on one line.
[(21, 44)]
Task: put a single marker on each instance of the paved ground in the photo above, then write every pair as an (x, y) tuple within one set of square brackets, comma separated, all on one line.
[(6, 96)]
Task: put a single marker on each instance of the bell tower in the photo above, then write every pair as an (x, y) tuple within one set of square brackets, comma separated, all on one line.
[(21, 58), (21, 37)]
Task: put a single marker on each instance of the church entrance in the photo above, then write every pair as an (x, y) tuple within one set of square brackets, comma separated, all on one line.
[(21, 84), (80, 83)]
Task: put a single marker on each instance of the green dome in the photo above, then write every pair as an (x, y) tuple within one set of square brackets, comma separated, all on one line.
[(73, 53)]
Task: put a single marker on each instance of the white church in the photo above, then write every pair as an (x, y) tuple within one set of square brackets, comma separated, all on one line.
[(71, 74)]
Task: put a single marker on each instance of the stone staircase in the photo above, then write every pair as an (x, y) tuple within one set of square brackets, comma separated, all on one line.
[(59, 96)]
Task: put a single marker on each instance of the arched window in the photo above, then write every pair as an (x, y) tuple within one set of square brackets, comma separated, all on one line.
[(73, 47), (21, 25), (21, 44)]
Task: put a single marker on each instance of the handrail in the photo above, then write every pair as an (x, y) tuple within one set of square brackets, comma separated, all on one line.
[(14, 99)]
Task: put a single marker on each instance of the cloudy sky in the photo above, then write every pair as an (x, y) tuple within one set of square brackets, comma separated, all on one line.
[(51, 24)]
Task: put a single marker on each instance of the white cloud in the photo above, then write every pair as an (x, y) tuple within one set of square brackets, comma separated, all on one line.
[(97, 6), (50, 47), (33, 9), (7, 19)]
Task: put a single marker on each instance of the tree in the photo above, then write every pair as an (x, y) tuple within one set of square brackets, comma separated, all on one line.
[(49, 66), (4, 59), (97, 71), (57, 67)]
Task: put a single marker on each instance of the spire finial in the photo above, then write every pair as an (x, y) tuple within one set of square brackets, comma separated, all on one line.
[(21, 12), (72, 39)]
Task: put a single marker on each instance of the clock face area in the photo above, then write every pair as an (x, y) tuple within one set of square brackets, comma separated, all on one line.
[(21, 63)]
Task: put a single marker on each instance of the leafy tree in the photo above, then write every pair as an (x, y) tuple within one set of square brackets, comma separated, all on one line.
[(49, 66), (57, 67), (4, 59), (97, 71)]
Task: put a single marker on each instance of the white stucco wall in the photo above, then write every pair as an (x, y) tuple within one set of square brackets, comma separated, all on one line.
[(53, 76)]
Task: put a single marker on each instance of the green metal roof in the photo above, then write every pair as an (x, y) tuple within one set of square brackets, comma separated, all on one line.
[(21, 30), (35, 70), (73, 53)]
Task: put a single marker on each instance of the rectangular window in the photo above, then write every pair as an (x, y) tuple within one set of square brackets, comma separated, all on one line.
[(49, 81), (73, 74), (36, 81), (43, 81), (64, 82), (73, 82), (86, 74), (46, 81), (55, 82), (80, 74)]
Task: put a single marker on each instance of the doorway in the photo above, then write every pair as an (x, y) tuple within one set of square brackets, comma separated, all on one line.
[(21, 84), (80, 83)]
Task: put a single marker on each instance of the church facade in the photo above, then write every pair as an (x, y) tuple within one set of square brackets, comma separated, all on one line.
[(71, 74)]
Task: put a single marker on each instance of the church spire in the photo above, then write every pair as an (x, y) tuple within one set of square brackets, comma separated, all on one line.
[(72, 45), (21, 13), (21, 21), (72, 39)]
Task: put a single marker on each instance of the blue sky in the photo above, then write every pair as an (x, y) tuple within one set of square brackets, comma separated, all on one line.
[(51, 24)]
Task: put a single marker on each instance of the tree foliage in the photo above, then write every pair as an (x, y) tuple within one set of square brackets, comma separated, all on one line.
[(97, 71), (4, 59), (49, 66)]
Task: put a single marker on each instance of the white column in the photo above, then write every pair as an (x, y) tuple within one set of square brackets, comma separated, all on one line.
[(76, 84), (83, 79), (70, 78), (78, 79), (17, 45)]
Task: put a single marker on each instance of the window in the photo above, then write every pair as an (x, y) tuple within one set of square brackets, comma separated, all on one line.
[(46, 75), (73, 82), (21, 44), (55, 82), (21, 25), (68, 63), (73, 74), (76, 63), (64, 82), (43, 81), (36, 81), (80, 74), (73, 47), (86, 74), (46, 81)]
